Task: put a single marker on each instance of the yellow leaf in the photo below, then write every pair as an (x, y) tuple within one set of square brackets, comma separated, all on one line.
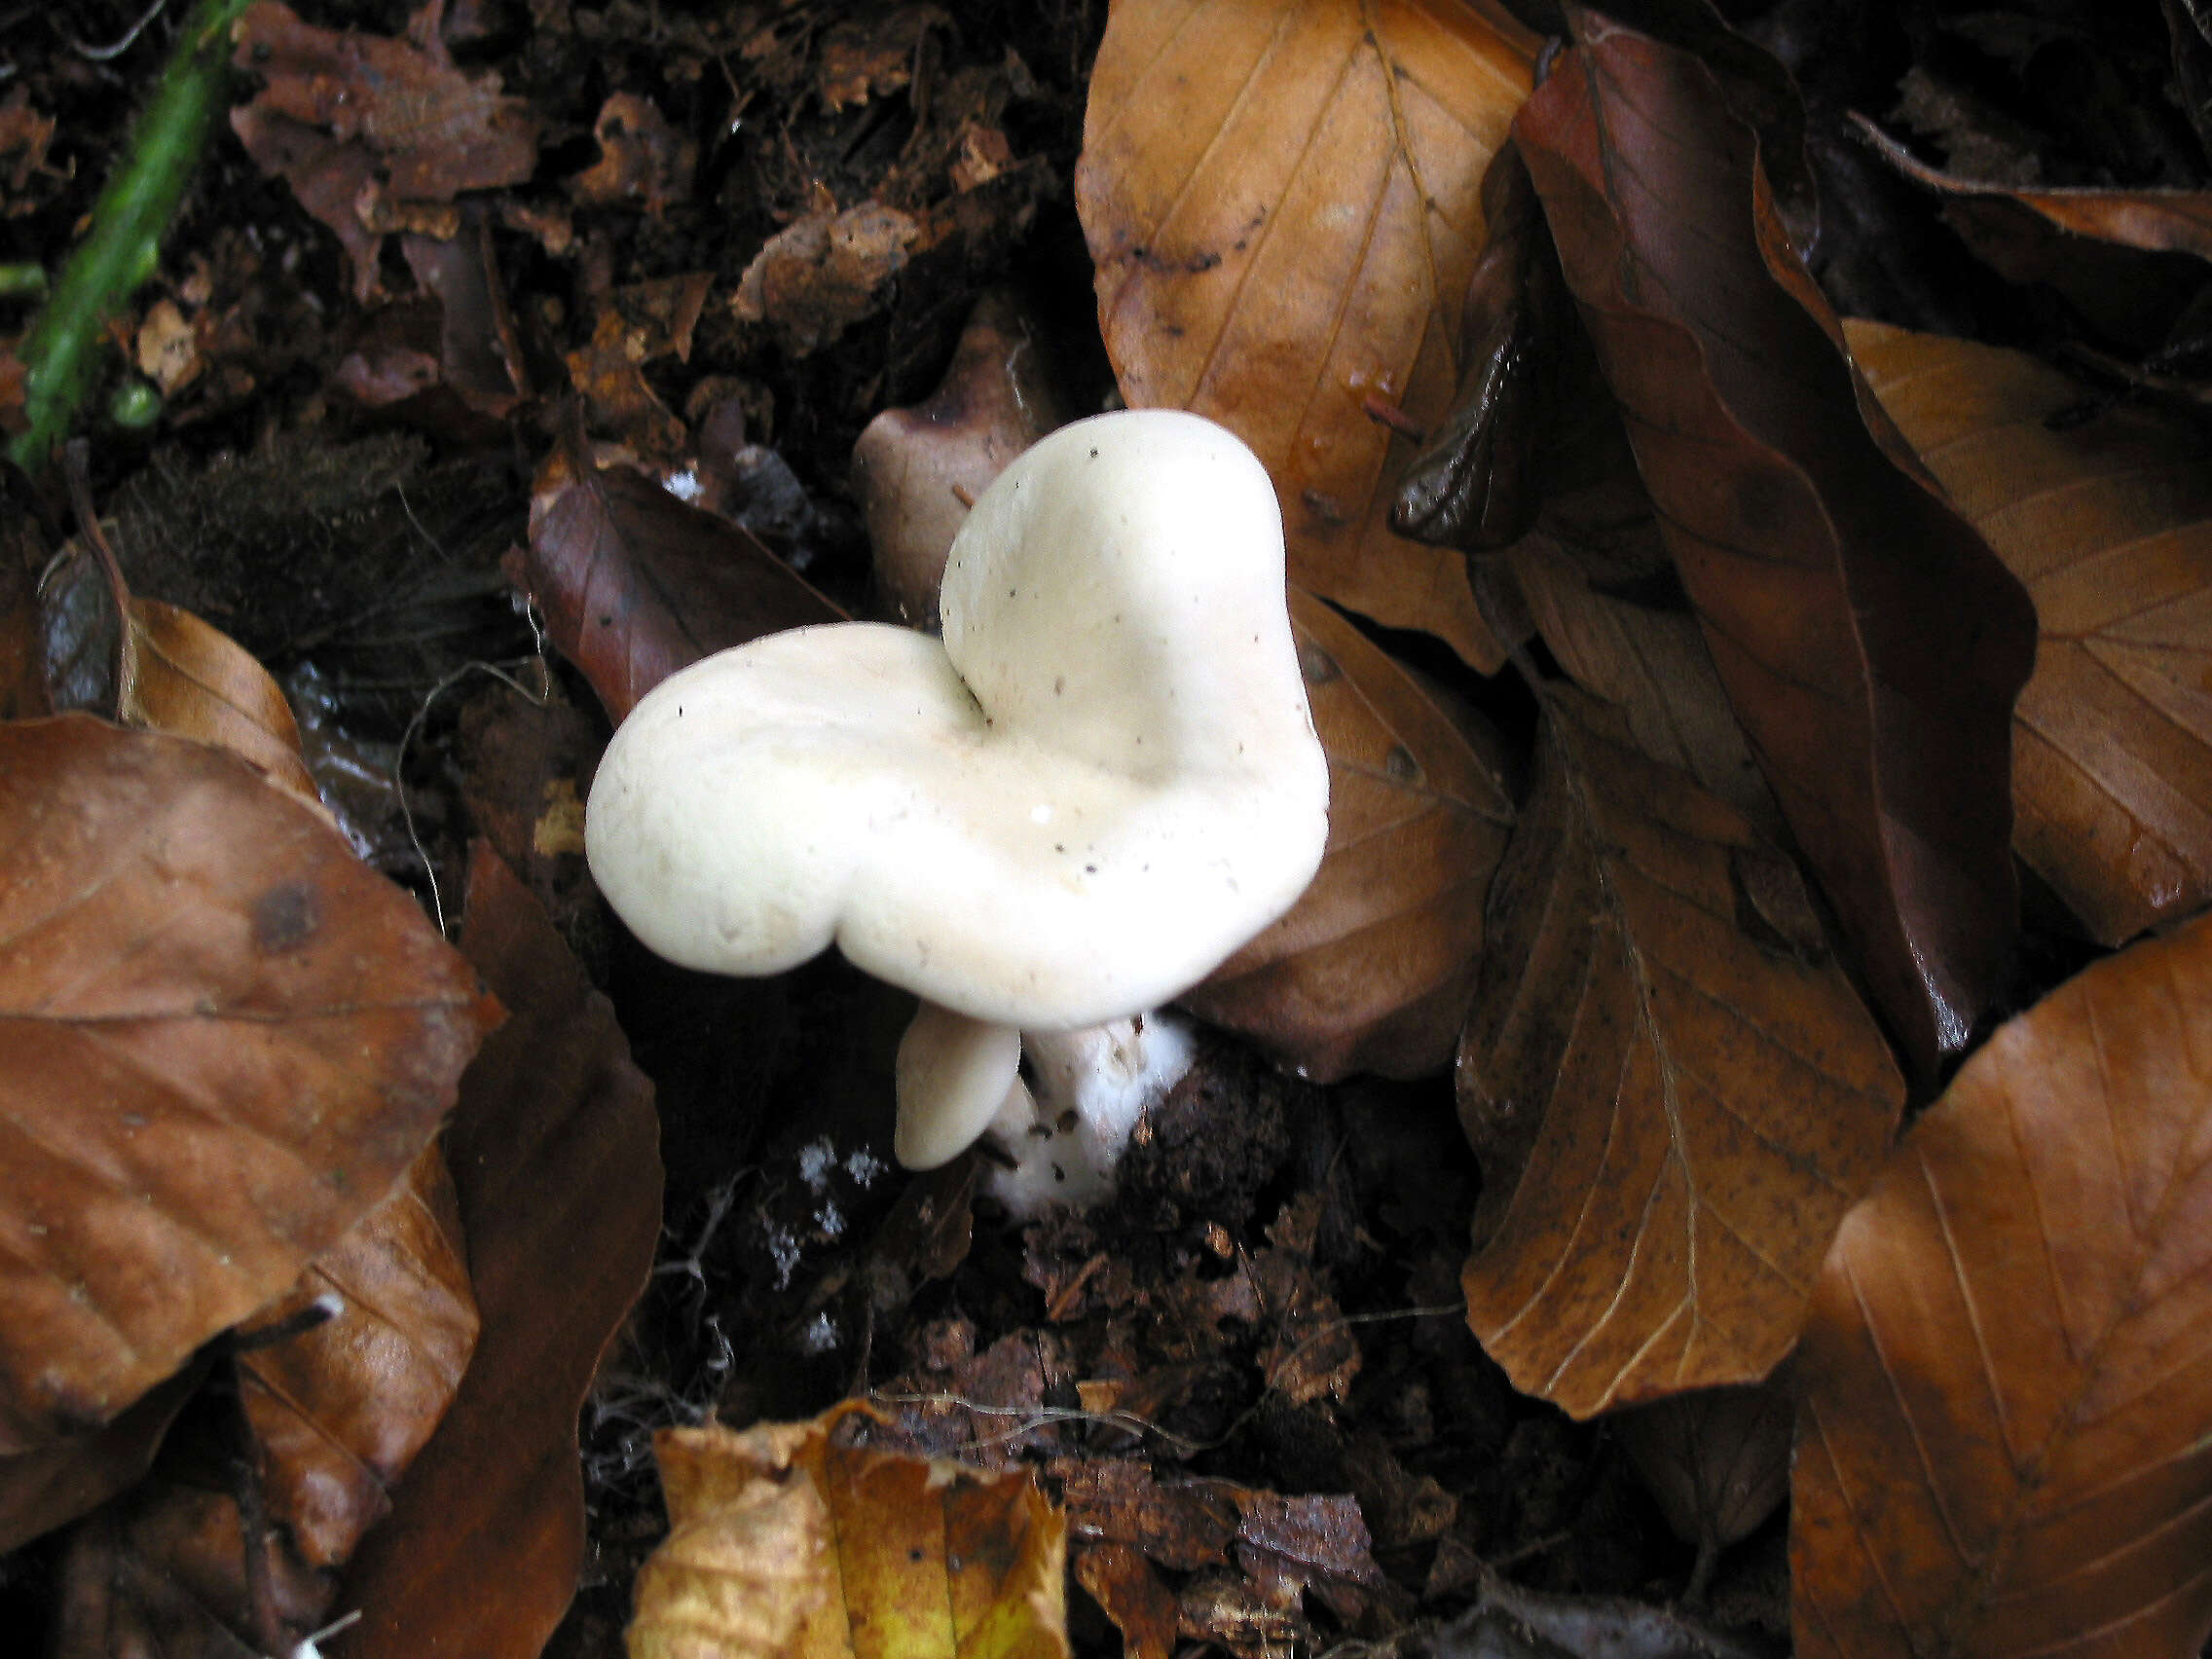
[(783, 1542)]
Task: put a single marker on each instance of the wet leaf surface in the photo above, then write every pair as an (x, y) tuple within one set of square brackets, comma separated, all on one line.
[(1371, 967), (1673, 1087), (1869, 642), (2108, 519), (1283, 202), (2001, 1442), (273, 1032)]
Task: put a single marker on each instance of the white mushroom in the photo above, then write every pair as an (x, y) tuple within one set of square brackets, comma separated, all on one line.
[(1101, 783)]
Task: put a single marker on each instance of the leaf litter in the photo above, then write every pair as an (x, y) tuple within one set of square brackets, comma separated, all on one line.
[(670, 269)]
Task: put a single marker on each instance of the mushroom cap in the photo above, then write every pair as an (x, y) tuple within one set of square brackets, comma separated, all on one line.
[(1101, 783)]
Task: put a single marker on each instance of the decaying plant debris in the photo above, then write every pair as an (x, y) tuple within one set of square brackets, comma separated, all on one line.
[(1712, 1164)]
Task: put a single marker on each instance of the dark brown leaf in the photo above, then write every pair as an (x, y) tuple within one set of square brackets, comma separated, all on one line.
[(2000, 1446), (64, 1479), (323, 1420), (1870, 640), (271, 1031), (635, 585), (554, 1160), (1371, 967), (1717, 1459), (1675, 1091)]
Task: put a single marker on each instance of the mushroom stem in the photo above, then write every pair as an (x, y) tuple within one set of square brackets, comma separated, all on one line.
[(953, 1074), (1090, 1089), (959, 1078)]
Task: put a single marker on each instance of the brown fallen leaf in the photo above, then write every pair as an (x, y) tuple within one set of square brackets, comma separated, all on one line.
[(339, 1409), (554, 1152), (374, 134), (2000, 1443), (1673, 1089), (193, 681), (917, 469), (637, 325), (635, 585), (480, 356), (2099, 247), (1652, 665), (1282, 200), (1124, 1584), (326, 1415), (1717, 1459), (272, 1030), (1372, 968), (782, 1541), (641, 158), (1868, 639), (818, 278), (2109, 522), (69, 1477)]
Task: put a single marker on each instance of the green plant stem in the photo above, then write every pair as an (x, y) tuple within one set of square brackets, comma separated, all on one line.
[(122, 248)]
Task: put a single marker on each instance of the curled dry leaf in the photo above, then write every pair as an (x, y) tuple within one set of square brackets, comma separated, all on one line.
[(1283, 202), (1371, 967), (195, 680), (271, 1030), (2001, 1442), (635, 585), (1674, 1091), (2099, 248), (2109, 522), (641, 158), (556, 1169), (913, 467), (782, 1541), (1870, 640)]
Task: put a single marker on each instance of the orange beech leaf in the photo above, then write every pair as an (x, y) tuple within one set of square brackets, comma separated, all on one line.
[(1283, 202), (1371, 967), (1869, 642), (635, 585), (2000, 1438), (556, 1168), (195, 680), (227, 1040), (1674, 1088), (784, 1542), (2109, 522)]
